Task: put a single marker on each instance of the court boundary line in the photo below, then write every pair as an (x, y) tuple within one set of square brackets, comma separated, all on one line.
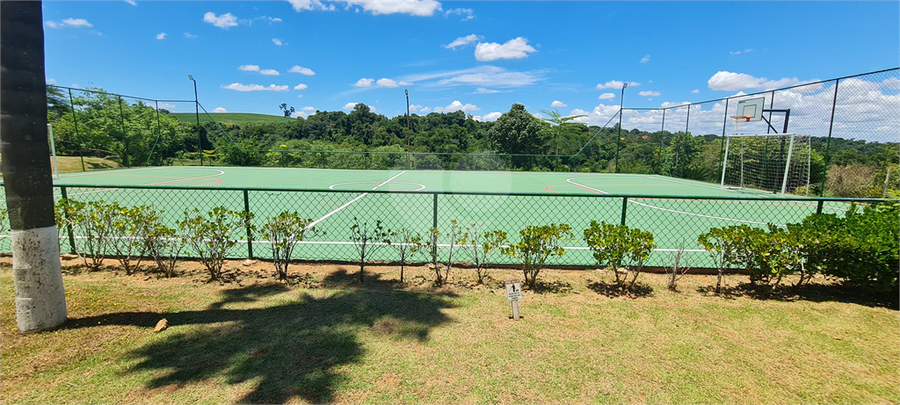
[(671, 210), (347, 204)]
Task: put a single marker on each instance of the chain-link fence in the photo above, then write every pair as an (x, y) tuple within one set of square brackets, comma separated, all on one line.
[(853, 124), (674, 221), (134, 131)]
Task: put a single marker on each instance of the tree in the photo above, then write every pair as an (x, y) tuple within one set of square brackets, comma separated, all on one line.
[(561, 124), (517, 132), (287, 111), (37, 277)]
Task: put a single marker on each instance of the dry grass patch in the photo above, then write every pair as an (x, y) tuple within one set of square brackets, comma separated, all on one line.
[(330, 338)]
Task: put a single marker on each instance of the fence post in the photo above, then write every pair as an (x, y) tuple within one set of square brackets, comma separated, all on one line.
[(819, 207), (247, 224), (434, 221), (624, 209), (62, 190), (828, 140), (434, 225)]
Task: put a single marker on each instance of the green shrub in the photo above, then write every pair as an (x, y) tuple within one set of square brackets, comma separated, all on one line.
[(480, 247), (367, 239), (284, 231), (613, 244), (536, 244), (211, 235), (730, 247), (862, 247), (407, 244)]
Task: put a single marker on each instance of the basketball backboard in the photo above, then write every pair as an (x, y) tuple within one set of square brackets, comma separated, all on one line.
[(751, 107)]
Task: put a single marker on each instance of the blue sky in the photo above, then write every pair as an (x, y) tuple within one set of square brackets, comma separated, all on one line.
[(479, 57)]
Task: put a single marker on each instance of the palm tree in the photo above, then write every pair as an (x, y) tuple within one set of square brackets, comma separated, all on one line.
[(40, 296), (559, 120)]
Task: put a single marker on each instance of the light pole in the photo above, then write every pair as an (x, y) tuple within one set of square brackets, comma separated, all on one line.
[(197, 114), (619, 137)]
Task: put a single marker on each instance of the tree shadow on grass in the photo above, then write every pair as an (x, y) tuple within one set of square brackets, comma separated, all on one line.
[(612, 290), (552, 287), (815, 292), (293, 348)]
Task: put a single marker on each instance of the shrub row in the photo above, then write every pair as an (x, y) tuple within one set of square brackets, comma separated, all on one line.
[(861, 246)]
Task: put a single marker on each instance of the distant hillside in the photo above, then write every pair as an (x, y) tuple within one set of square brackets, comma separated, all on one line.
[(231, 118)]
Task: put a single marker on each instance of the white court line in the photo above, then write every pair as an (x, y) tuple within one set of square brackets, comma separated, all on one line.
[(700, 215), (220, 172), (312, 224), (569, 180)]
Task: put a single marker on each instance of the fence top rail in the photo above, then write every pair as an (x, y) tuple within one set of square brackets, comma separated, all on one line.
[(90, 90), (553, 195), (690, 104)]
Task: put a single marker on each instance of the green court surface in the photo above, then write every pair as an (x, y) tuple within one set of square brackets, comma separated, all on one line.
[(675, 210)]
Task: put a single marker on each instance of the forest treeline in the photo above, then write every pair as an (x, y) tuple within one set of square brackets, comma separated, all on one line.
[(136, 135)]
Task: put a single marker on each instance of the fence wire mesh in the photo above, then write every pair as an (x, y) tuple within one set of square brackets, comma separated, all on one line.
[(674, 221)]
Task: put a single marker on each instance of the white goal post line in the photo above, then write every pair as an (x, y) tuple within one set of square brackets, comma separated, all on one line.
[(787, 163)]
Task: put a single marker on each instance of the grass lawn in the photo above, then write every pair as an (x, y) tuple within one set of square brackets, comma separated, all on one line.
[(71, 164), (327, 338), (231, 118)]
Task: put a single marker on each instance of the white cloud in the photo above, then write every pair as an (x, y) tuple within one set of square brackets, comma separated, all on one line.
[(414, 107), (513, 49), (482, 90), (363, 82), (161, 35), (607, 96), (740, 52), (467, 13), (269, 72), (730, 81), (254, 87), (309, 5), (461, 41), (557, 103), (420, 8), (51, 81), (70, 23), (166, 106), (301, 86), (220, 110), (76, 22), (350, 106), (457, 106), (615, 84), (308, 108), (249, 68), (481, 76), (387, 83), (277, 41), (189, 35), (695, 91), (648, 93), (132, 2), (488, 117), (645, 59), (223, 21), (302, 70)]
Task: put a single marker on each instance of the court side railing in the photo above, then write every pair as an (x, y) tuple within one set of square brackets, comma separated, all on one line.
[(675, 221)]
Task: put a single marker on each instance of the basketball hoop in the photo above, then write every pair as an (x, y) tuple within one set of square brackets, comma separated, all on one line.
[(739, 120)]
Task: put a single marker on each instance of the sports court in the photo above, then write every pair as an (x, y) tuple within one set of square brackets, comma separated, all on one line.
[(675, 210)]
